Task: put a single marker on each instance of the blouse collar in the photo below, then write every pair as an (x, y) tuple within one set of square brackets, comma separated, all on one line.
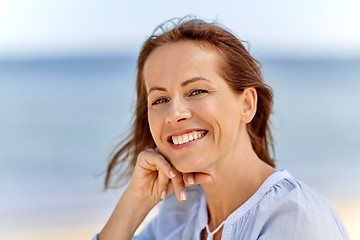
[(245, 207)]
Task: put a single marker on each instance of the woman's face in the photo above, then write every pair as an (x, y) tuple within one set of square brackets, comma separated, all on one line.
[(194, 115)]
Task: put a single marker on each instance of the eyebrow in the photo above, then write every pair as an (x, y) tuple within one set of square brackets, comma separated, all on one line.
[(191, 80), (183, 84)]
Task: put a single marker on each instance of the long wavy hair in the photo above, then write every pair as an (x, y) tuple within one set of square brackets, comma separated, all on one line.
[(237, 67)]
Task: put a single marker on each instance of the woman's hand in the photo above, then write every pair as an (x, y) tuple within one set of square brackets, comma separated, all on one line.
[(155, 179)]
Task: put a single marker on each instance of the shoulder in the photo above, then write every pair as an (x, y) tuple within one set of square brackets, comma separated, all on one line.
[(173, 215), (292, 210)]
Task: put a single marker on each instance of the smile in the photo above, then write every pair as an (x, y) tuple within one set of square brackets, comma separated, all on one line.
[(187, 137)]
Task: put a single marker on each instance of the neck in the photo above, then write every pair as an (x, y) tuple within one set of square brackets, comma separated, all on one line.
[(235, 180)]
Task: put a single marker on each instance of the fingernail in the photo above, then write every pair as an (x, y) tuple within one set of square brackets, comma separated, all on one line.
[(172, 174), (190, 180), (183, 196), (163, 195)]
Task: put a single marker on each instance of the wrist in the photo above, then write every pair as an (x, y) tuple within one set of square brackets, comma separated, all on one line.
[(126, 217)]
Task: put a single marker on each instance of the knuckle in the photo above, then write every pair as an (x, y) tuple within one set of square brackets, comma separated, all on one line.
[(142, 155), (178, 180), (146, 154)]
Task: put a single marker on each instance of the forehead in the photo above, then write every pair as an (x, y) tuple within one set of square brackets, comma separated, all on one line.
[(180, 61)]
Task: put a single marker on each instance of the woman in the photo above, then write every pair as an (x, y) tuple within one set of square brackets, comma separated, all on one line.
[(202, 118)]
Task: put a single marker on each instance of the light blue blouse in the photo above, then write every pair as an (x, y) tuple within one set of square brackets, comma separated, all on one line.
[(282, 208)]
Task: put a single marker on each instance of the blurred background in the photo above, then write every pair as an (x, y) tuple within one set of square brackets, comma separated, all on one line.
[(67, 76)]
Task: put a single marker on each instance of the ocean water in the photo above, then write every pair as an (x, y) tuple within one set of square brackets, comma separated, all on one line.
[(60, 119)]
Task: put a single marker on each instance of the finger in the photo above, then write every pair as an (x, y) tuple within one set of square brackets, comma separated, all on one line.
[(202, 178), (152, 160), (179, 186), (170, 189), (169, 173), (163, 185), (188, 179)]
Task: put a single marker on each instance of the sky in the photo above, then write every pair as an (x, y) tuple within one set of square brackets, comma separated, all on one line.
[(48, 28)]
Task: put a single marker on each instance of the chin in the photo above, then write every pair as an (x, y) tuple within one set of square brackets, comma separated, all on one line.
[(186, 165), (191, 161)]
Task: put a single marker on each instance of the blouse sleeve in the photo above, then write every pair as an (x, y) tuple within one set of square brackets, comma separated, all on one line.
[(301, 214)]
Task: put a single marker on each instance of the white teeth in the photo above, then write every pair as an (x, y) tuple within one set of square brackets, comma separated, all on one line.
[(186, 138)]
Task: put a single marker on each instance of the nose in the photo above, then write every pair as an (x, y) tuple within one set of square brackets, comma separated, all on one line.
[(178, 111)]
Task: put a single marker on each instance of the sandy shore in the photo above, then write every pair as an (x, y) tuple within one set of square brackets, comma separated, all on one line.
[(349, 212), (75, 232)]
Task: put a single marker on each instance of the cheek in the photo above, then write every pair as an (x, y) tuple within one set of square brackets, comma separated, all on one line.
[(224, 116), (155, 126), (217, 109)]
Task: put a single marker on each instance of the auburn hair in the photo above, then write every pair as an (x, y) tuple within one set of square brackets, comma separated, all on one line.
[(237, 67)]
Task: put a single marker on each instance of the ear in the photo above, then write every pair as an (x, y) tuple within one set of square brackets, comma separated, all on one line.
[(249, 104)]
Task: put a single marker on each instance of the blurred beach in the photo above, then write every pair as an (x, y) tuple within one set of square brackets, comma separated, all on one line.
[(61, 118)]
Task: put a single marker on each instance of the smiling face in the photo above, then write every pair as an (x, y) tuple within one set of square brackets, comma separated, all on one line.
[(194, 115)]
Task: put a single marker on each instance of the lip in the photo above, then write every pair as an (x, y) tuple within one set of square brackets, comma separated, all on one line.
[(178, 133)]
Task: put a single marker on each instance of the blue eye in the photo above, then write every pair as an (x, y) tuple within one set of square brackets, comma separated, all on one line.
[(159, 101), (197, 92)]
